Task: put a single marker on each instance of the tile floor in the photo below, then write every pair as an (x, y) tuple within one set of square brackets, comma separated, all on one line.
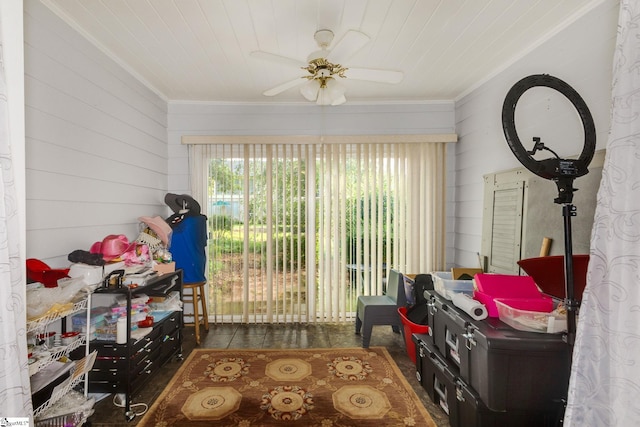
[(272, 336)]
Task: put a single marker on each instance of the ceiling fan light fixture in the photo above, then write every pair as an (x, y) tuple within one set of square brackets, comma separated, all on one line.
[(334, 88), (331, 93), (310, 90), (339, 101), (324, 66), (324, 98)]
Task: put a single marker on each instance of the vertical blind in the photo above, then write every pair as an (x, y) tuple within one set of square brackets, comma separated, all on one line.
[(298, 231)]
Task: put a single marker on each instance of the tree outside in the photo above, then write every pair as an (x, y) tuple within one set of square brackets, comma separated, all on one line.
[(242, 242)]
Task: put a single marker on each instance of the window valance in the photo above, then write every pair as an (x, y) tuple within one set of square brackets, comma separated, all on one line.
[(318, 139)]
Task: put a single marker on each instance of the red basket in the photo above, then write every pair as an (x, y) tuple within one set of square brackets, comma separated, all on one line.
[(409, 329), (548, 273), (39, 271)]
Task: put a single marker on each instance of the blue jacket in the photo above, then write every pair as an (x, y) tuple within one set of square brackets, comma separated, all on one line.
[(188, 247)]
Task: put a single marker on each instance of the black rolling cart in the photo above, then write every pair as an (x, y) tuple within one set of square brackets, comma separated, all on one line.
[(126, 368)]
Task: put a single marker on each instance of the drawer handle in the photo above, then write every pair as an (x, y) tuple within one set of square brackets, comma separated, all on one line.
[(470, 340), (459, 394), (147, 369), (432, 308), (436, 362)]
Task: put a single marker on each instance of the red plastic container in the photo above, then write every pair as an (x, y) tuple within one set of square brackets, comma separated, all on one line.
[(38, 271), (411, 328), (548, 273)]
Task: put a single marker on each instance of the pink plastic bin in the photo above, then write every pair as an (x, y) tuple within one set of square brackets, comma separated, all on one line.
[(507, 286), (409, 329), (539, 303)]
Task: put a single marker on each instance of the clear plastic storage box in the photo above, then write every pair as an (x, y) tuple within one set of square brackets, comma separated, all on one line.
[(514, 313), (444, 284)]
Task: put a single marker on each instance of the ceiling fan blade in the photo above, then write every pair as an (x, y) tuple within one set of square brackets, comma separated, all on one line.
[(373, 75), (348, 45), (284, 86), (273, 57)]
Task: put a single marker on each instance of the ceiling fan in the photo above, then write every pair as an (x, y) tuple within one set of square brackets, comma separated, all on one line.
[(324, 68)]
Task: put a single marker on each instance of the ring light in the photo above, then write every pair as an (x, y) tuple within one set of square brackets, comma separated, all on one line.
[(562, 171)]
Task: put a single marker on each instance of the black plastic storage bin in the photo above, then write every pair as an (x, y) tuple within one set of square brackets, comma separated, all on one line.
[(451, 330), (508, 369), (461, 403)]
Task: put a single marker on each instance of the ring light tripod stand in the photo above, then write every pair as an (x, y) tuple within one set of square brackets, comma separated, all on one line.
[(561, 171)]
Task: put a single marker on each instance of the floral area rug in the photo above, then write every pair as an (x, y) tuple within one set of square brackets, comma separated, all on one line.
[(292, 387)]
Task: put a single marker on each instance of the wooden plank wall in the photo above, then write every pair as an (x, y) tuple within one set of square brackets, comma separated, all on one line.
[(96, 142), (581, 55)]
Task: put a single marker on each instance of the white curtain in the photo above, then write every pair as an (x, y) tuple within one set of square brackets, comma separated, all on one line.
[(605, 376), (198, 176), (15, 390)]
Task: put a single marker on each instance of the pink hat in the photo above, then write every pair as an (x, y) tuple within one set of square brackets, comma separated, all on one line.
[(159, 226), (112, 246)]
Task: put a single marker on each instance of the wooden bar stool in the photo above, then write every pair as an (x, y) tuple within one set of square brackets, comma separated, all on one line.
[(196, 297)]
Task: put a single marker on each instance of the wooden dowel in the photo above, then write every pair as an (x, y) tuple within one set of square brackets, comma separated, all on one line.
[(546, 246)]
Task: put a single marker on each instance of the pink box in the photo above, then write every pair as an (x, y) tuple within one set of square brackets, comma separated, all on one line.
[(539, 303), (507, 286)]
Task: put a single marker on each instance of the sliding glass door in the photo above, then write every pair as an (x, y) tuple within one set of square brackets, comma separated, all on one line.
[(298, 231)]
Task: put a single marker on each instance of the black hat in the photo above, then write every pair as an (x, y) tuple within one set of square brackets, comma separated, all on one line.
[(178, 202)]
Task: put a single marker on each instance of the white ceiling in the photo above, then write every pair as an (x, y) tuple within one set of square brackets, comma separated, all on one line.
[(200, 50)]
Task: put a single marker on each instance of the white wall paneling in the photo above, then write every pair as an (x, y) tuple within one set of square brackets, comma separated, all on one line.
[(581, 55), (96, 142)]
